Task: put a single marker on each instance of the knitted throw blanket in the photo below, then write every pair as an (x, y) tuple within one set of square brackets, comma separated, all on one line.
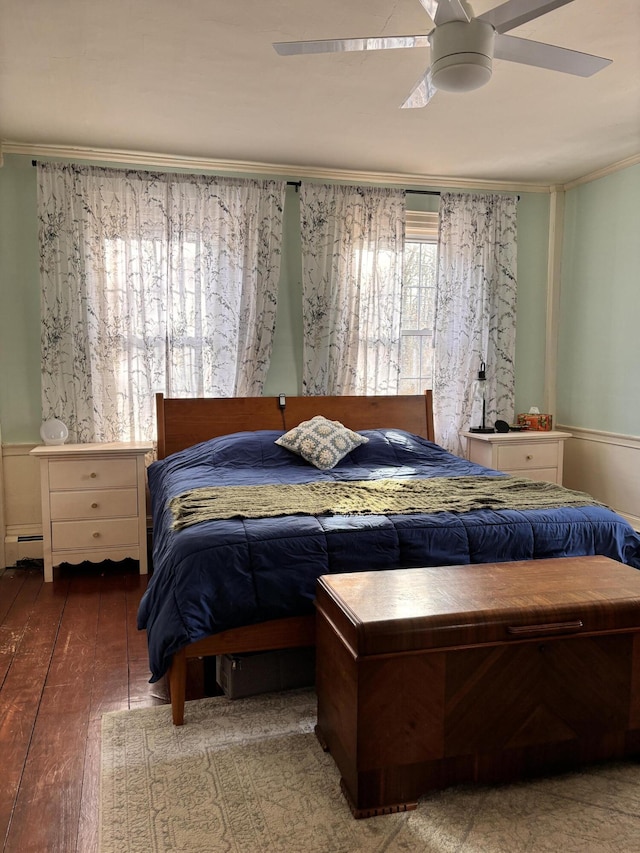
[(371, 497)]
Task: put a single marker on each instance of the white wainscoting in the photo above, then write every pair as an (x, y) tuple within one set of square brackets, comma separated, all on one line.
[(607, 466), (22, 507)]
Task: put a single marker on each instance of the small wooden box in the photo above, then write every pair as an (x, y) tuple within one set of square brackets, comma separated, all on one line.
[(487, 672)]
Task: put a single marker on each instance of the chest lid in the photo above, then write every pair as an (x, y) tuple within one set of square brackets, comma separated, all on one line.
[(410, 609)]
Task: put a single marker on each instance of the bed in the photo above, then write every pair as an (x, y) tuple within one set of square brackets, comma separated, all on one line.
[(223, 583)]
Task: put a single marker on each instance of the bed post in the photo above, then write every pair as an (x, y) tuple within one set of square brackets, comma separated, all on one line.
[(160, 425), (428, 396), (178, 685)]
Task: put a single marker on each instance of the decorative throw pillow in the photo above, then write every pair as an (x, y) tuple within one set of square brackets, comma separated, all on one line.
[(321, 442)]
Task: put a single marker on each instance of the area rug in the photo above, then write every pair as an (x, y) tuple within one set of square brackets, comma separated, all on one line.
[(249, 776)]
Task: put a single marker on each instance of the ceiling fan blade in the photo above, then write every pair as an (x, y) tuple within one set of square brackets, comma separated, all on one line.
[(430, 7), (515, 12), (548, 56), (421, 93), (450, 10), (293, 48)]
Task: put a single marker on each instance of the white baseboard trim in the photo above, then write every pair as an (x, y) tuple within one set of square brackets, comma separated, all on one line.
[(24, 531)]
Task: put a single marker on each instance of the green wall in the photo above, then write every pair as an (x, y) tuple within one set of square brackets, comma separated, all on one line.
[(20, 411), (533, 238), (20, 414), (598, 377)]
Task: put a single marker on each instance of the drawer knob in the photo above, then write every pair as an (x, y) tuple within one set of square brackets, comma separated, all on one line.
[(96, 535), (529, 456), (94, 506), (93, 474)]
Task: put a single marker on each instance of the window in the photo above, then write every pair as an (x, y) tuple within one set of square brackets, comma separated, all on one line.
[(418, 302)]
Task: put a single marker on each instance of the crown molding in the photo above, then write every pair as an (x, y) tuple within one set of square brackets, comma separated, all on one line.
[(152, 159), (291, 172), (602, 173)]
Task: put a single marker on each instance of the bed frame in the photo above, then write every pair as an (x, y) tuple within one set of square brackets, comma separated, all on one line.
[(183, 422)]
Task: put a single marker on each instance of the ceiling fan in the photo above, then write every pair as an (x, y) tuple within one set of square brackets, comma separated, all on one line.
[(463, 47)]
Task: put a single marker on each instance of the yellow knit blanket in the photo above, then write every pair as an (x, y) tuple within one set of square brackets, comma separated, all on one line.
[(371, 497)]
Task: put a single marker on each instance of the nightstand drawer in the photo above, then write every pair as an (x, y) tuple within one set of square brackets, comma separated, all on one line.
[(524, 456), (92, 473), (101, 533), (112, 503), (548, 474)]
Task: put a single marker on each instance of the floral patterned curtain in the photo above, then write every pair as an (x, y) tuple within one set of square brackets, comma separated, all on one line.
[(475, 313), (152, 282), (352, 250)]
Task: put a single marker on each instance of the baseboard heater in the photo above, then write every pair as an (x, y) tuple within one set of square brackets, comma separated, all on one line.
[(22, 546)]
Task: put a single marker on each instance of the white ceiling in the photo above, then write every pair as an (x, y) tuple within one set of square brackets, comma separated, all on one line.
[(200, 79)]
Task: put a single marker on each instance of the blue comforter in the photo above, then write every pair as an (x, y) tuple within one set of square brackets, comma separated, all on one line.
[(224, 574)]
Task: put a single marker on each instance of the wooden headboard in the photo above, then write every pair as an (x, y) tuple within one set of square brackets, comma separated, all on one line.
[(183, 422)]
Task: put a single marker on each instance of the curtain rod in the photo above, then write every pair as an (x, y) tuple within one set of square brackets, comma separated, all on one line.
[(297, 184)]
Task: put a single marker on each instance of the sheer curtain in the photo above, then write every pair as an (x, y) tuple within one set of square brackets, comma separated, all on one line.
[(352, 251), (152, 282), (475, 313)]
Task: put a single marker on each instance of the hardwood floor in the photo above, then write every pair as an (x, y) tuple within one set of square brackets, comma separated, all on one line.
[(69, 652)]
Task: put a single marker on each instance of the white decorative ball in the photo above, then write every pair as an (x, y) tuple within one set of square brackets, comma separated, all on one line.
[(54, 431)]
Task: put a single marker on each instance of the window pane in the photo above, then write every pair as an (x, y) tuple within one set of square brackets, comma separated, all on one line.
[(412, 263), (410, 356), (418, 316), (428, 308), (410, 308), (426, 362)]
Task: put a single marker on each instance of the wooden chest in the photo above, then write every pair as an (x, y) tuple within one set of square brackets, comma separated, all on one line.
[(482, 673)]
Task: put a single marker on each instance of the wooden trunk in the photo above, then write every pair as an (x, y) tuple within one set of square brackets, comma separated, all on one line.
[(482, 673)]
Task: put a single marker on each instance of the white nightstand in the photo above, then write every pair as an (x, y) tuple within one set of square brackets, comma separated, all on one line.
[(537, 455), (93, 503)]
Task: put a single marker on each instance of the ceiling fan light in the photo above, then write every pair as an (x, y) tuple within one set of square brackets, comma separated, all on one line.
[(462, 72), (461, 55)]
